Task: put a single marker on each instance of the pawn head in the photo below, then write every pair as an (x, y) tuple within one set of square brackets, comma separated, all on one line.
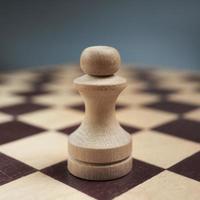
[(100, 60)]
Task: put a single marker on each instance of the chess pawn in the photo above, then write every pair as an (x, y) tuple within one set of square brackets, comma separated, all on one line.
[(99, 149)]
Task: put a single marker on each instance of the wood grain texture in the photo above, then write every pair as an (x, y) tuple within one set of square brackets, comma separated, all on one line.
[(99, 172), (100, 148), (100, 60), (160, 109)]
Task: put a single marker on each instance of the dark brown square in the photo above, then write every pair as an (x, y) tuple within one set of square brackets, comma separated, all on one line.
[(2, 81), (104, 189), (189, 167), (174, 107), (182, 128), (193, 78), (22, 108), (11, 169), (78, 107), (70, 129), (158, 91), (14, 130), (32, 93), (81, 107), (129, 129), (43, 79), (146, 76)]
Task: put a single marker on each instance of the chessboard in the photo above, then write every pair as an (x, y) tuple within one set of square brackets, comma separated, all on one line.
[(40, 108)]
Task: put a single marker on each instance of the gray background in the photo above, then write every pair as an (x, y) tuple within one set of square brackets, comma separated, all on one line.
[(149, 32)]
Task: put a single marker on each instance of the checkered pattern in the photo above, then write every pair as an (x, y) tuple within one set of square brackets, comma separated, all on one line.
[(40, 108)]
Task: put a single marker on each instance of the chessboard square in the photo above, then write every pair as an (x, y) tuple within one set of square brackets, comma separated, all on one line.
[(189, 167), (2, 81), (81, 107), (134, 86), (39, 151), (193, 115), (129, 129), (5, 118), (186, 97), (78, 107), (161, 150), (14, 130), (63, 88), (9, 89), (183, 128), (57, 99), (21, 76), (166, 185), (39, 186), (174, 107), (69, 129), (158, 91), (170, 74), (144, 117), (193, 78), (182, 86), (120, 106), (8, 100), (52, 119), (104, 189), (42, 79), (33, 92), (22, 108), (146, 76), (136, 98), (11, 169)]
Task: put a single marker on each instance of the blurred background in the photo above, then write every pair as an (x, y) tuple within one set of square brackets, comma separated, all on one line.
[(44, 32)]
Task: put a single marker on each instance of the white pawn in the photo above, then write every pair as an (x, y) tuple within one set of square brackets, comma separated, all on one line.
[(100, 149)]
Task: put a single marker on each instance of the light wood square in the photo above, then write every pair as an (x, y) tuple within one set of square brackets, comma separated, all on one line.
[(166, 185), (5, 118), (134, 86), (40, 187), (58, 100), (186, 97), (177, 84), (176, 78), (15, 87), (170, 74), (160, 149), (52, 118), (58, 87), (22, 76), (136, 99), (144, 117), (8, 100), (40, 150), (193, 115)]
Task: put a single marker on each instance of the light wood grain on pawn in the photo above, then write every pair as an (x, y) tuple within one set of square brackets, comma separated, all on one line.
[(100, 149)]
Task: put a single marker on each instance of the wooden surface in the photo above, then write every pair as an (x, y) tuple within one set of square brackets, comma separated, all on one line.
[(100, 149), (100, 60), (39, 109)]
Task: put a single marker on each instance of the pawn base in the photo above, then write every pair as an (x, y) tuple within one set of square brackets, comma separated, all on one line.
[(100, 172)]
